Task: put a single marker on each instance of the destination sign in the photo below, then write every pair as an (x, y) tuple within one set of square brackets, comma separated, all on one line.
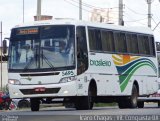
[(25, 31)]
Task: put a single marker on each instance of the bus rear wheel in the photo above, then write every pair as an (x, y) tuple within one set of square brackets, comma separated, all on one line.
[(122, 104), (35, 104), (130, 102), (133, 101), (140, 104)]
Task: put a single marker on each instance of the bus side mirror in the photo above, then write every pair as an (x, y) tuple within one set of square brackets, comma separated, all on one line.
[(4, 46)]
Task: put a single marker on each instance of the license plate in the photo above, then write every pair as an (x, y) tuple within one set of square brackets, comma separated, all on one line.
[(40, 89)]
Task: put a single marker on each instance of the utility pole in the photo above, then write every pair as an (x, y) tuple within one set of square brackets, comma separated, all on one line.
[(39, 10), (80, 9), (121, 22), (1, 54), (149, 2), (108, 15), (23, 11)]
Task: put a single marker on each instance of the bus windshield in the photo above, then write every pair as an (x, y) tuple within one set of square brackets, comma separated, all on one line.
[(44, 47)]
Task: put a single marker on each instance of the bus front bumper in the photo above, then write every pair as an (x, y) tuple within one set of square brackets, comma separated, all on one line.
[(49, 90)]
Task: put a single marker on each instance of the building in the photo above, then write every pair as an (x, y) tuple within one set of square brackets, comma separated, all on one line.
[(109, 15), (43, 17)]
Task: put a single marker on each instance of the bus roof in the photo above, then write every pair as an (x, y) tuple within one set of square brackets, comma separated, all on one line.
[(144, 30)]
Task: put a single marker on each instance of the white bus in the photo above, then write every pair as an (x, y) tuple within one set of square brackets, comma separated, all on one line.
[(82, 62)]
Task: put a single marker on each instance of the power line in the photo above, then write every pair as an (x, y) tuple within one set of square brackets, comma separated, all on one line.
[(135, 11), (84, 4), (136, 20), (157, 25), (128, 16), (69, 1), (76, 5), (91, 6), (154, 21), (133, 20)]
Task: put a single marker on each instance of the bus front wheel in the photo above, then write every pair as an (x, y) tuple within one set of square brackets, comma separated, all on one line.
[(84, 102), (35, 104)]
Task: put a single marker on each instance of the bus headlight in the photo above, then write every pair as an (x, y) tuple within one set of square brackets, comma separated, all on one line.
[(14, 81), (67, 79)]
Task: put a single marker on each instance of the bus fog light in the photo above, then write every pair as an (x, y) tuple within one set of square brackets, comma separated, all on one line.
[(15, 93), (65, 92)]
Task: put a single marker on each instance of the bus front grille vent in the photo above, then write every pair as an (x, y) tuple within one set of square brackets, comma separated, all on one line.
[(46, 91)]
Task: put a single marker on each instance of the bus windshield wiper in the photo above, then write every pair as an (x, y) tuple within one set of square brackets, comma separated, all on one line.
[(47, 61), (28, 65)]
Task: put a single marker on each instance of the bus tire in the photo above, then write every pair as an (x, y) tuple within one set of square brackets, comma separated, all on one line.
[(85, 102), (133, 101), (35, 104), (90, 100), (122, 104), (23, 104), (140, 104)]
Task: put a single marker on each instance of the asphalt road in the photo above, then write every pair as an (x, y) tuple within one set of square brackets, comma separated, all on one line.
[(150, 112)]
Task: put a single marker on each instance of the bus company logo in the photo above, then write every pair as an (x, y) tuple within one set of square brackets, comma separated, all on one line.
[(100, 62), (28, 78), (127, 65)]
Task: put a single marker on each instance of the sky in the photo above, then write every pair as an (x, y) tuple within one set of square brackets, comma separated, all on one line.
[(135, 11)]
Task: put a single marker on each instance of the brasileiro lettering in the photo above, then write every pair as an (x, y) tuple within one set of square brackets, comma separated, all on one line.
[(100, 62)]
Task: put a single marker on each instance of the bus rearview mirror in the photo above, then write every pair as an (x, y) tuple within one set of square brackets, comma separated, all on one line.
[(4, 46)]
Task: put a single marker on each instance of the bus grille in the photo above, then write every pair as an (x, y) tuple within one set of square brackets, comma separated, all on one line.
[(47, 91)]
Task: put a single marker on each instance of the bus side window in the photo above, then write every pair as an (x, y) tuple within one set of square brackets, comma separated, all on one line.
[(82, 54), (143, 44), (132, 43), (152, 46)]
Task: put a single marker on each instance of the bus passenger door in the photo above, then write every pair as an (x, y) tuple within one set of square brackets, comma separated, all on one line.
[(82, 59), (82, 53)]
